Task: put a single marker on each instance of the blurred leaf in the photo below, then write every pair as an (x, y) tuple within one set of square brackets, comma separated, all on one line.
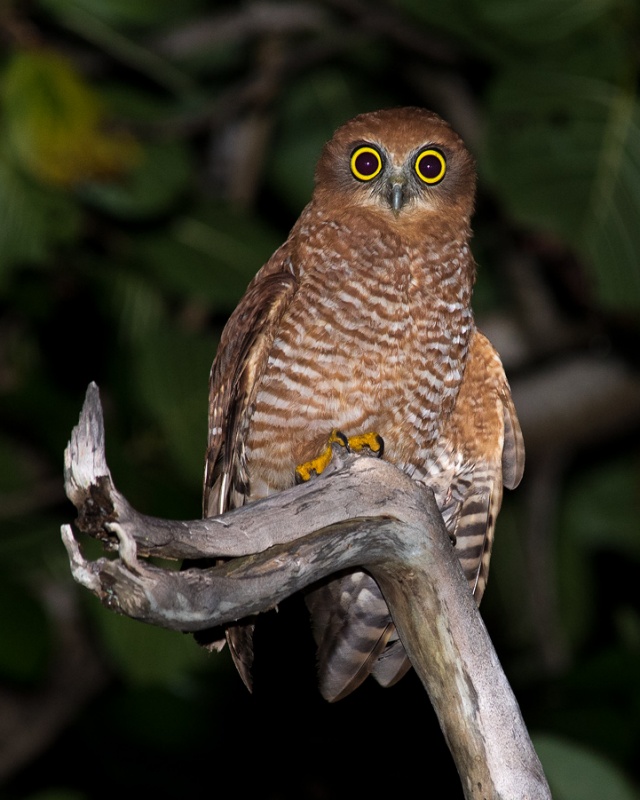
[(314, 107), (125, 12), (601, 702), (562, 31), (136, 304), (627, 621), (576, 773), (602, 507), (35, 219), (456, 18), (146, 655), (149, 716), (55, 122), (171, 371), (15, 469), (211, 255), (599, 513), (145, 108), (538, 22), (45, 409), (576, 590), (163, 173), (563, 153), (100, 22), (28, 546), (25, 634)]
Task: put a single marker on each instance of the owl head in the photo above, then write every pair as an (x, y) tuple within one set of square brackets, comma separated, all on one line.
[(403, 162)]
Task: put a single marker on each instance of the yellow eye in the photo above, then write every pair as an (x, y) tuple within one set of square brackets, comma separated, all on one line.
[(366, 163), (430, 166)]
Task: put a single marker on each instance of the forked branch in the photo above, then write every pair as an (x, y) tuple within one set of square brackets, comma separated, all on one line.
[(362, 512)]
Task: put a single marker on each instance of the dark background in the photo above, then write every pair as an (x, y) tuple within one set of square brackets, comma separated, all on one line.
[(152, 156)]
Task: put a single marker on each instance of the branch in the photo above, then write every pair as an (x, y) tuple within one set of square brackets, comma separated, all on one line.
[(362, 512)]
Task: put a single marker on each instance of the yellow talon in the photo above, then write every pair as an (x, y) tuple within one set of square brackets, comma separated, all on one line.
[(356, 444), (306, 471), (337, 437), (371, 440)]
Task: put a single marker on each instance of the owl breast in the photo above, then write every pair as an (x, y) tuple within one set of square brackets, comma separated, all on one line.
[(375, 342)]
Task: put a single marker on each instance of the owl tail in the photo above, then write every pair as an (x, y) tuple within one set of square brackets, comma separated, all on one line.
[(240, 641), (354, 635)]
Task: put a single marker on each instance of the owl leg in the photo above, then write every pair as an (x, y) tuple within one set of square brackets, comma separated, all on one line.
[(353, 444)]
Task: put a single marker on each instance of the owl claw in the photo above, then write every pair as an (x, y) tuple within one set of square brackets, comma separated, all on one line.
[(367, 441), (354, 444)]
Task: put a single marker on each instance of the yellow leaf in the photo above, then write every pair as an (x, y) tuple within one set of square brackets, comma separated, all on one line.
[(56, 123)]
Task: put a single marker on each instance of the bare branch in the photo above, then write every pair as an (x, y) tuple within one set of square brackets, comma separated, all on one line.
[(365, 513)]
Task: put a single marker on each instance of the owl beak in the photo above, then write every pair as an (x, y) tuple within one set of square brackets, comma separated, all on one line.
[(396, 195)]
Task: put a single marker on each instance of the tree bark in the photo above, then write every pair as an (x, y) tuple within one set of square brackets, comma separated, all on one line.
[(362, 512)]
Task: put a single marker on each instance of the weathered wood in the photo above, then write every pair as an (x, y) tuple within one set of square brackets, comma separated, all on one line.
[(363, 513)]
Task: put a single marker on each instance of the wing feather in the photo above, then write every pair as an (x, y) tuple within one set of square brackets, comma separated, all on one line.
[(239, 364), (235, 374), (489, 441), (513, 448)]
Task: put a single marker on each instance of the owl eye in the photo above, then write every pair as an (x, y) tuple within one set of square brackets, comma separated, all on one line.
[(366, 163), (431, 166)]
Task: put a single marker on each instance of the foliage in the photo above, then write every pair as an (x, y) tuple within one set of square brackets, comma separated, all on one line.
[(152, 156)]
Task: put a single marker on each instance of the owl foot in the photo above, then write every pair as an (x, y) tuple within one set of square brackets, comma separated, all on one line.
[(354, 444)]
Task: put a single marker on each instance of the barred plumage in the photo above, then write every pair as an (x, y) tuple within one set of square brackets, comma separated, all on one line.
[(361, 321)]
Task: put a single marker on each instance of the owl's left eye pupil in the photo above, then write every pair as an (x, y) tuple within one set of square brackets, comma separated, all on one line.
[(366, 163)]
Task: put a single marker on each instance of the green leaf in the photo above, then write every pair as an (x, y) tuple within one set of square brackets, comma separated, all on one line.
[(137, 306), (577, 773), (563, 153), (35, 219), (576, 590), (508, 31), (125, 12), (314, 107), (211, 255), (147, 655), (153, 717), (161, 177), (538, 22), (601, 699), (602, 507), (25, 634), (54, 122), (171, 372)]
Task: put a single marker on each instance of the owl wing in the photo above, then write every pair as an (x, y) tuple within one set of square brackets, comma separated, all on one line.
[(235, 376), (480, 450), (484, 435)]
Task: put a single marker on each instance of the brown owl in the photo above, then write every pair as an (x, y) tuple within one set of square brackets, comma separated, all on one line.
[(361, 323)]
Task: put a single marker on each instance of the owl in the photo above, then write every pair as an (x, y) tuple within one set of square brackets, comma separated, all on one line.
[(360, 323)]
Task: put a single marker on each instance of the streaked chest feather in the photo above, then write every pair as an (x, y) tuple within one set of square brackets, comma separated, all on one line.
[(376, 342)]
